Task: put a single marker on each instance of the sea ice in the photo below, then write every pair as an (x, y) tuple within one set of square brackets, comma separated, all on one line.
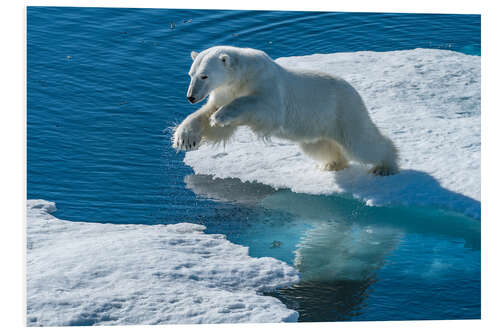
[(427, 101), (108, 274)]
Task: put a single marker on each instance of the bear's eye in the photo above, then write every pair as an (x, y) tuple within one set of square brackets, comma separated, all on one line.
[(204, 77)]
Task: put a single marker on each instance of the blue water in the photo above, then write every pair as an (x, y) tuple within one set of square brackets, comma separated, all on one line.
[(103, 87)]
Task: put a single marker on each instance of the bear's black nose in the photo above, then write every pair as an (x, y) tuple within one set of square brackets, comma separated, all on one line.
[(191, 99)]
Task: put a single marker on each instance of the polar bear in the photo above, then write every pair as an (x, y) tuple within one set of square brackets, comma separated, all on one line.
[(324, 114)]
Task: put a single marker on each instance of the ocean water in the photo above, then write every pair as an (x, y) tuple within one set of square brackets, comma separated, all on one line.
[(104, 87)]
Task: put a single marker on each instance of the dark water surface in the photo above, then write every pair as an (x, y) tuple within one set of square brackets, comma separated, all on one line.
[(104, 86)]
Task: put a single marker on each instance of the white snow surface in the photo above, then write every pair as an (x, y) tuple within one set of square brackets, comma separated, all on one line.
[(427, 101), (82, 273)]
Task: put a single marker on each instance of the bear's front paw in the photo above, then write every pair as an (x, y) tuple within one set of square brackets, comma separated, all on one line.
[(221, 118), (186, 137)]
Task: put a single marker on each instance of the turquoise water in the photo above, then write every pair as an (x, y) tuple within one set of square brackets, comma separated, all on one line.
[(103, 86)]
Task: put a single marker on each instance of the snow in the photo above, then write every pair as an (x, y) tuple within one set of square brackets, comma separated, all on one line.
[(107, 274), (427, 101)]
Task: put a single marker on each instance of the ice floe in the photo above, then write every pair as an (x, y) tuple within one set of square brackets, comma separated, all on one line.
[(428, 101), (82, 273)]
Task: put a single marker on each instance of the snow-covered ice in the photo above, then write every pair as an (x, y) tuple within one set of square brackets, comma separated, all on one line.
[(427, 101), (82, 273)]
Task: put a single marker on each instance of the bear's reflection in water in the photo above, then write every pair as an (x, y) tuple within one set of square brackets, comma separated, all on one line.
[(340, 248)]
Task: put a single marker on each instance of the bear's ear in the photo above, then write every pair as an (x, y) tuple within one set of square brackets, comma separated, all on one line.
[(226, 60), (194, 54)]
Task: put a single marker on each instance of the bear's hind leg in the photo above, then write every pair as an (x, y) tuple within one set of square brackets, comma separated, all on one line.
[(377, 150), (329, 153), (383, 170)]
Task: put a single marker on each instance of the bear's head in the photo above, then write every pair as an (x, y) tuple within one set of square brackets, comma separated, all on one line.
[(210, 70)]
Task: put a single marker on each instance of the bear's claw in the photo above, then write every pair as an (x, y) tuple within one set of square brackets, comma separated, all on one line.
[(333, 166), (185, 138), (382, 170)]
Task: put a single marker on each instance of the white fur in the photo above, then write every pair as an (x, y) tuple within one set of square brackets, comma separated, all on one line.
[(324, 114)]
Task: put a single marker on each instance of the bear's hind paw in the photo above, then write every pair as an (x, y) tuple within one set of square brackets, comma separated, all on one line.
[(333, 166), (382, 170)]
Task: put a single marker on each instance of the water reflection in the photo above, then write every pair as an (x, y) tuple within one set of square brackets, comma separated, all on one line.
[(326, 301), (342, 243), (334, 251), (227, 190), (419, 220)]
